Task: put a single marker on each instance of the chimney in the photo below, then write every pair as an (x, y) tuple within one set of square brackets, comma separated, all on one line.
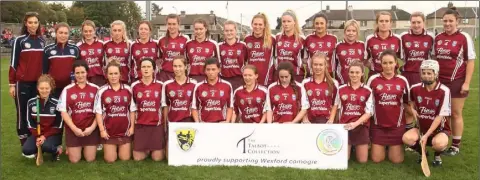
[(450, 4), (394, 8), (328, 9), (182, 13), (211, 12)]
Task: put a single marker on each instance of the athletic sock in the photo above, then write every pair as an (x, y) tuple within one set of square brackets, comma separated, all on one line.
[(22, 141), (417, 147), (438, 153), (456, 140), (409, 126)]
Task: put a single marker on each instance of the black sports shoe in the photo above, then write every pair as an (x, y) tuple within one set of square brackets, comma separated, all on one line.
[(452, 151), (56, 157), (437, 162)]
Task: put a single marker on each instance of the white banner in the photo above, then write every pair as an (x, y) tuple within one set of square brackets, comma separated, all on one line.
[(306, 146)]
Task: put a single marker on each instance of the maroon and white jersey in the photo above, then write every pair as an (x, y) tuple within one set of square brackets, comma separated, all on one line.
[(388, 97), (288, 49), (148, 101), (78, 103), (452, 53), (325, 45), (169, 48), (374, 45), (416, 48), (212, 101), (345, 54), (249, 106), (285, 102), (93, 54), (122, 52), (431, 104), (178, 98), (115, 107), (138, 51), (198, 52), (261, 57), (232, 58), (319, 97), (353, 103)]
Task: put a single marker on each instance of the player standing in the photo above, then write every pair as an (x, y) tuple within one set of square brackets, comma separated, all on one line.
[(232, 55), (322, 41), (348, 51), (91, 51), (143, 48), (119, 48)]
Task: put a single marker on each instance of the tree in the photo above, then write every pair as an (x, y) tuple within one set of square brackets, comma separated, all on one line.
[(75, 16), (156, 9), (57, 6), (61, 16), (13, 11), (279, 23)]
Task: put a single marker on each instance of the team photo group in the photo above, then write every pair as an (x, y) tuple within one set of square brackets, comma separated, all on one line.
[(392, 91)]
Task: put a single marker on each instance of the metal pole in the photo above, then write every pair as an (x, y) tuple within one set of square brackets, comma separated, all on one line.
[(148, 10), (435, 19), (241, 25), (321, 6), (346, 11)]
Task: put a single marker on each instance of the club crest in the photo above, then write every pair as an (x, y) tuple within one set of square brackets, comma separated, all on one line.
[(185, 138)]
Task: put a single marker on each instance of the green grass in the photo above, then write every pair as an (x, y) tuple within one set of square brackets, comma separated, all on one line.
[(14, 166)]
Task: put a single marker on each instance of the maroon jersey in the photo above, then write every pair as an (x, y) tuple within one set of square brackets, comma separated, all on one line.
[(212, 101), (249, 106), (58, 61), (345, 54), (232, 58), (416, 48), (452, 53), (51, 122), (198, 52), (374, 45), (388, 97), (138, 51), (353, 103), (178, 98), (261, 57), (284, 102), (148, 101), (288, 49), (120, 51), (115, 107), (92, 54), (26, 57), (174, 47), (319, 97), (325, 45), (78, 103), (430, 105)]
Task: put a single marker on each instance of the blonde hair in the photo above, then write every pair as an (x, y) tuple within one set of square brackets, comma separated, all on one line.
[(124, 28), (320, 55), (354, 23), (267, 39), (88, 23), (418, 14), (296, 30), (48, 79), (377, 17)]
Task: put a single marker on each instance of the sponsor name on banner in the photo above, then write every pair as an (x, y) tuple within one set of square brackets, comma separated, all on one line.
[(305, 146)]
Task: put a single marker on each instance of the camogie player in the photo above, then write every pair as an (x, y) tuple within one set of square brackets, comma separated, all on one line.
[(290, 45), (199, 49), (149, 126), (430, 101), (143, 48), (455, 53), (170, 46), (382, 39), (91, 51), (322, 41), (58, 58), (355, 101), (286, 100), (249, 100), (232, 55), (27, 53), (44, 107), (212, 98), (348, 51), (118, 47), (115, 115), (321, 91), (390, 98), (260, 48), (76, 107)]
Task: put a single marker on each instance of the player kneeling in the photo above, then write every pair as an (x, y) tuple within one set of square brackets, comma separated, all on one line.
[(430, 101)]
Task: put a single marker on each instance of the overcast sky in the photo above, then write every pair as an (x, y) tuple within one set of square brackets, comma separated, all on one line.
[(304, 9)]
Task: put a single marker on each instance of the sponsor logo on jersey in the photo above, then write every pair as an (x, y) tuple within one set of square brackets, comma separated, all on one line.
[(344, 97), (249, 45), (221, 93), (83, 53), (139, 95), (439, 42), (425, 44), (125, 99), (172, 93), (397, 87), (189, 93), (53, 52), (309, 92), (276, 97), (28, 45), (312, 45), (137, 52), (72, 52), (207, 50), (192, 50), (408, 44), (125, 50), (242, 102), (379, 87), (454, 43), (294, 97), (419, 99), (223, 53), (108, 100), (259, 100), (437, 102), (99, 51), (156, 94), (343, 53), (73, 96), (239, 52), (362, 98), (204, 93), (375, 47)]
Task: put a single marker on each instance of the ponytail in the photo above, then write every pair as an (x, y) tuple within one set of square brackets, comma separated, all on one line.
[(267, 39)]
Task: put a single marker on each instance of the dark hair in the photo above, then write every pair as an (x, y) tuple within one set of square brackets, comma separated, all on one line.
[(288, 66), (113, 62), (211, 61), (184, 61), (389, 52), (320, 15), (144, 22), (79, 63), (452, 10), (151, 61), (357, 63), (25, 18), (170, 16), (60, 25), (205, 24)]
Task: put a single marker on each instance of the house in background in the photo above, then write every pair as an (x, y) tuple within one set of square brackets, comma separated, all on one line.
[(366, 18), (468, 16), (186, 25)]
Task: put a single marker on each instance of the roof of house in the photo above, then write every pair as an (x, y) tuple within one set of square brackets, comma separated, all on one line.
[(185, 18), (465, 12), (221, 20)]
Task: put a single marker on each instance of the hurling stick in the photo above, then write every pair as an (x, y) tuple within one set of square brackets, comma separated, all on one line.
[(39, 147), (424, 163)]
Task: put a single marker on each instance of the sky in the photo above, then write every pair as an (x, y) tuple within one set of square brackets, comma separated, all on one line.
[(243, 11)]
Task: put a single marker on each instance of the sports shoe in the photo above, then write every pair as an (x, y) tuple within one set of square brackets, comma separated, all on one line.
[(419, 160), (452, 151), (437, 162), (31, 156), (56, 157), (99, 147)]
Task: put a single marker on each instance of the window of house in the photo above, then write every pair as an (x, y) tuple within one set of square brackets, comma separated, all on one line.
[(187, 26), (465, 21), (363, 23), (330, 23)]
